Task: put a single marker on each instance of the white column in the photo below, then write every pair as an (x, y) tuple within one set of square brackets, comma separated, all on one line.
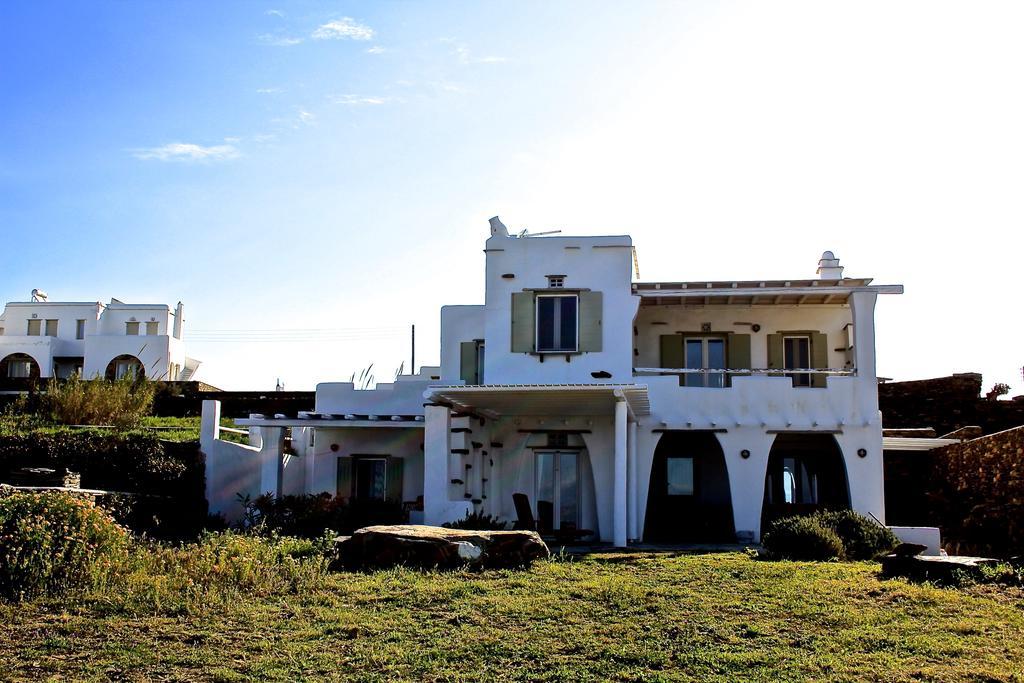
[(209, 429), (619, 482), (270, 460), (862, 307), (494, 479), (631, 445), (436, 447)]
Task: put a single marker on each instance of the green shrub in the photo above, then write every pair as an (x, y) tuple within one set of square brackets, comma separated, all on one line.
[(75, 401), (53, 543), (802, 538), (863, 538), (308, 516), (476, 521)]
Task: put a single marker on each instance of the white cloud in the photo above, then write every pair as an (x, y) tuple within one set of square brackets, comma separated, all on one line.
[(346, 27), (182, 151), (376, 50), (275, 13), (278, 41), (356, 100), (301, 119), (465, 56), (269, 91), (305, 117)]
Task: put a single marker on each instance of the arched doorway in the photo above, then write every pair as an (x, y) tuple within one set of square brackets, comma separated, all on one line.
[(689, 499), (805, 473), (19, 366), (124, 365)]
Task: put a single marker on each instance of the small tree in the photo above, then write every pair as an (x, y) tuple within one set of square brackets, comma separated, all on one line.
[(998, 389)]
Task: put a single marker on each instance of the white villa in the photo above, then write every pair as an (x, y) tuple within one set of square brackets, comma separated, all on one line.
[(43, 338), (638, 411)]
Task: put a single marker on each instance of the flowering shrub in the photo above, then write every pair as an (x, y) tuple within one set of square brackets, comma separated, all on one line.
[(52, 543)]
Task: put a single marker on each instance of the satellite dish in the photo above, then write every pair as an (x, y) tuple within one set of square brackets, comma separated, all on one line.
[(39, 295)]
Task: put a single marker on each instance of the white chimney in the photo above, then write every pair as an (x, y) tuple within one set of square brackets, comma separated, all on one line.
[(498, 228), (829, 268), (179, 319)]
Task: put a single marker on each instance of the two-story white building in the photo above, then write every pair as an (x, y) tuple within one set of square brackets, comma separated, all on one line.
[(58, 339), (661, 411)]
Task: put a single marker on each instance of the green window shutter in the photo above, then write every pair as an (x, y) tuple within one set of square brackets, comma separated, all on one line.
[(775, 357), (467, 363), (672, 352), (523, 338), (395, 466), (819, 357), (737, 349), (590, 321), (344, 477)]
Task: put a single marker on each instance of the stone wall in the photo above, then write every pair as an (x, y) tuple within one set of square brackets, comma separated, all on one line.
[(946, 404), (976, 492)]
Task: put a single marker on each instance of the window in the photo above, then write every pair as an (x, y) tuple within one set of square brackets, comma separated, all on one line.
[(796, 353), (152, 327), (557, 323), (126, 367), (704, 353), (79, 329), (132, 329), (791, 482), (556, 281), (480, 362), (371, 478), (51, 328), (679, 476), (19, 368), (35, 328)]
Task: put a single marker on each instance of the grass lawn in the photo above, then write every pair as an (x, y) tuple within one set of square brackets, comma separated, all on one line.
[(634, 616)]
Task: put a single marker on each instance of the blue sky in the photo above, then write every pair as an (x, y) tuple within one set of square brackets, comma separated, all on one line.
[(331, 166)]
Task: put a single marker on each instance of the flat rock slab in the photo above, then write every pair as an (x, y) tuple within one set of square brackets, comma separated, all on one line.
[(379, 547), (933, 568)]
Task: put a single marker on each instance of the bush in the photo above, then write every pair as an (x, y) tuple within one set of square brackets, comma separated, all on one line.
[(476, 521), (813, 537), (53, 543), (802, 538), (121, 402), (863, 538), (308, 516)]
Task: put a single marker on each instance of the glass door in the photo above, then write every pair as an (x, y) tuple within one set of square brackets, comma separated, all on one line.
[(705, 353), (558, 499)]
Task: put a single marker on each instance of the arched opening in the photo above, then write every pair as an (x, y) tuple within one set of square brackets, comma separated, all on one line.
[(805, 473), (689, 500), (19, 366), (124, 365)]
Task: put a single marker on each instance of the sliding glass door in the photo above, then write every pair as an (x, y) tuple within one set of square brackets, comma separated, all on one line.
[(558, 500)]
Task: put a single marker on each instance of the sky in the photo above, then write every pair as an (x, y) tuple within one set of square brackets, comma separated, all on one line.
[(313, 178)]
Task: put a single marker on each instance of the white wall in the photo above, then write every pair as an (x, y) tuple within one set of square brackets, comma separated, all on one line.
[(601, 264), (459, 324)]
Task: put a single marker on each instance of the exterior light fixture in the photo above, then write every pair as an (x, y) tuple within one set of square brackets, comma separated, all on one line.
[(862, 452), (744, 454)]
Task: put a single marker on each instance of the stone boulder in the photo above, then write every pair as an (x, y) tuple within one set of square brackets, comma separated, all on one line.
[(380, 547)]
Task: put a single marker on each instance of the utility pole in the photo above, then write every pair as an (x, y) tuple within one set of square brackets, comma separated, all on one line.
[(412, 367)]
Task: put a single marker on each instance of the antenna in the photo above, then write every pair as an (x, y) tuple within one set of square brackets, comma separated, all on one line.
[(526, 233)]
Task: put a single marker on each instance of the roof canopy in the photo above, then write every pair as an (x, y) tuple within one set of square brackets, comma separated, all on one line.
[(568, 400), (757, 292)]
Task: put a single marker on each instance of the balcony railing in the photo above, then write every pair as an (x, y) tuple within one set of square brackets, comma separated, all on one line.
[(773, 372)]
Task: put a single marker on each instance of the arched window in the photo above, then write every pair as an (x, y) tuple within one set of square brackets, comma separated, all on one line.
[(19, 366), (125, 365)]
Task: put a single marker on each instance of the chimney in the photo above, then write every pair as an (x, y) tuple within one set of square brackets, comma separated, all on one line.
[(498, 228), (179, 319), (829, 268)]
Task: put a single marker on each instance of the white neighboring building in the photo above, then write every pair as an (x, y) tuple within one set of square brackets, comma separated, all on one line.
[(663, 412), (57, 338)]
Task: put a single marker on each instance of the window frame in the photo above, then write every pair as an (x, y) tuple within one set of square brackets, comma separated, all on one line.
[(39, 328), (128, 328), (155, 327), (800, 379), (358, 460), (536, 323), (55, 322), (80, 328), (693, 477), (706, 376)]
